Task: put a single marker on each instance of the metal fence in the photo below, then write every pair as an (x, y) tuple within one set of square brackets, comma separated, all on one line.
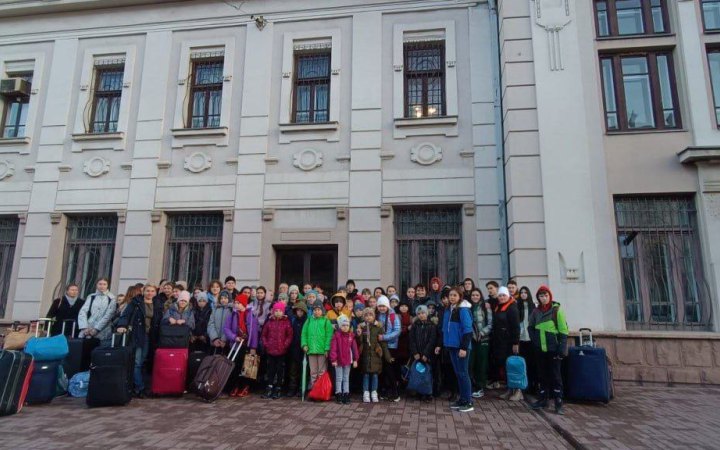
[(8, 239), (193, 248), (89, 251)]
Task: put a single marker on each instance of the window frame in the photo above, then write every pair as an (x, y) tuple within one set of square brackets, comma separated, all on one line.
[(613, 26), (425, 76), (655, 90), (208, 272), (716, 106), (9, 231), (6, 104), (98, 94), (704, 22), (207, 89), (297, 55)]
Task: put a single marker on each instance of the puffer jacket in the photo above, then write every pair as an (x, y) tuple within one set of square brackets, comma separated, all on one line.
[(549, 329), (202, 320), (506, 330), (277, 335), (173, 312), (133, 317), (316, 335), (217, 321), (97, 312), (423, 336), (372, 351), (482, 321), (391, 328), (231, 328), (458, 326), (343, 349)]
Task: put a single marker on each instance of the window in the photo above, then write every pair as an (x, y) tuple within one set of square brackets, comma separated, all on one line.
[(429, 244), (711, 14), (15, 110), (8, 239), (194, 244), (206, 83), (639, 92), (714, 64), (106, 96), (424, 68), (89, 251), (661, 264), (311, 103), (631, 17)]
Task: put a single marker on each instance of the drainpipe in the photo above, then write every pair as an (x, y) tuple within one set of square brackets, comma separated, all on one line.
[(499, 139)]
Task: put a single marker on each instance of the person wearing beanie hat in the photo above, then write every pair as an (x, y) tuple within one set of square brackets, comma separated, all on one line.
[(283, 297), (394, 302), (222, 311), (344, 354), (373, 354), (383, 301), (316, 336), (298, 317), (357, 315), (199, 339), (231, 287), (338, 304), (180, 312), (390, 323), (423, 336), (504, 338), (276, 337), (293, 294), (242, 326), (350, 288)]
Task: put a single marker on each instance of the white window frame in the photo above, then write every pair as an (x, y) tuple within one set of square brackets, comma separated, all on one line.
[(81, 139), (14, 63), (289, 131), (426, 126)]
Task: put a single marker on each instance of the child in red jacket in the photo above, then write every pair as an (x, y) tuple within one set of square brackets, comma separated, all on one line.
[(277, 335), (343, 354)]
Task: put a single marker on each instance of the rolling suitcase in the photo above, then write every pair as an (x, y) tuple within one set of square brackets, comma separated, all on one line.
[(16, 370), (43, 383), (169, 369), (111, 375), (213, 374), (174, 336), (79, 352), (588, 372), (194, 362)]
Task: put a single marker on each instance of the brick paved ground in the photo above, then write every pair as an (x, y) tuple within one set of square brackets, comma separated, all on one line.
[(641, 417)]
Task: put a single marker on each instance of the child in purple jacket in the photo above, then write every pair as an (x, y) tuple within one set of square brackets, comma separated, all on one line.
[(242, 326), (343, 354)]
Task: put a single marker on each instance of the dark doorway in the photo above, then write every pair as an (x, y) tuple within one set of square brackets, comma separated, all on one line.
[(315, 264)]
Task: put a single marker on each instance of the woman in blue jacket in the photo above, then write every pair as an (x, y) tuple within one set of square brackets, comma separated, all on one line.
[(457, 331)]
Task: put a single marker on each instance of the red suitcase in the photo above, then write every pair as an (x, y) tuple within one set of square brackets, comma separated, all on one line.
[(169, 371)]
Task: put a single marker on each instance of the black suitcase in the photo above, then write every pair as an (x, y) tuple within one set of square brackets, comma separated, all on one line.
[(80, 351), (15, 374), (111, 375), (174, 336), (43, 384), (194, 360)]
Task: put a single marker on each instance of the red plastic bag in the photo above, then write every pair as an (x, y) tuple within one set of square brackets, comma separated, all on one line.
[(322, 389)]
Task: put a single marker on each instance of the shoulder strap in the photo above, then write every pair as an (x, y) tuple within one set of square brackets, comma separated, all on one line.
[(92, 300), (555, 318)]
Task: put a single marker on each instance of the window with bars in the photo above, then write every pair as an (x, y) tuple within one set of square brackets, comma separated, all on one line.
[(711, 14), (106, 96), (311, 102), (714, 65), (89, 251), (424, 69), (428, 244), (15, 111), (8, 240), (206, 83), (639, 91), (193, 248), (661, 263), (631, 17)]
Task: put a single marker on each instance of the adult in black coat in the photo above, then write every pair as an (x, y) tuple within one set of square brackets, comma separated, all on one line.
[(505, 335), (65, 308)]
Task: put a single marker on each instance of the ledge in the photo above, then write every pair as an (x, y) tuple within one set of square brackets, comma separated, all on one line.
[(300, 127), (426, 121), (99, 136), (15, 141), (699, 154), (645, 131), (193, 132), (691, 335)]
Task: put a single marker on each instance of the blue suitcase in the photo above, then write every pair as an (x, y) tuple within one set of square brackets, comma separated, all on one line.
[(43, 383), (589, 377)]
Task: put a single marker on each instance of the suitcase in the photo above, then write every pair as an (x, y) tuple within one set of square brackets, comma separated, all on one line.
[(516, 371), (16, 370), (174, 336), (79, 352), (48, 348), (169, 371), (43, 383), (213, 374), (589, 377), (194, 362), (111, 375)]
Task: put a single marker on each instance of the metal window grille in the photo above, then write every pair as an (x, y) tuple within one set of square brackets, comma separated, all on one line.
[(8, 240), (15, 111), (206, 82), (193, 248), (106, 97), (312, 87), (89, 251), (424, 70), (661, 264), (428, 244)]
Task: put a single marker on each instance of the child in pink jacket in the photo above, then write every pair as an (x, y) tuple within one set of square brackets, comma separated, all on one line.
[(343, 354)]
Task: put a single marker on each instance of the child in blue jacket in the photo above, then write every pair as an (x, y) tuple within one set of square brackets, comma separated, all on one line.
[(457, 329)]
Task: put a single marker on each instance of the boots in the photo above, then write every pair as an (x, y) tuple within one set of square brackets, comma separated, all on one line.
[(559, 406), (276, 393), (346, 398), (541, 402), (338, 398), (268, 392)]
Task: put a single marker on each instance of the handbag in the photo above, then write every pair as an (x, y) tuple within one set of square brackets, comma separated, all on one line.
[(250, 366), (420, 378), (16, 338), (322, 389), (174, 336)]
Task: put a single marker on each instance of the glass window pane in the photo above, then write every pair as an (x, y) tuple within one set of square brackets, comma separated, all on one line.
[(638, 94), (110, 80), (609, 93), (629, 17), (208, 72), (666, 91), (11, 117), (302, 104), (602, 19), (321, 103), (194, 245), (101, 108), (657, 16), (314, 66), (714, 62), (711, 14)]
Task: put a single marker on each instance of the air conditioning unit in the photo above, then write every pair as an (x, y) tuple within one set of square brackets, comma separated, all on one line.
[(14, 87)]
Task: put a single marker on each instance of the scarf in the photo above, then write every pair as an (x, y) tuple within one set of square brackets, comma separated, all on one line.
[(502, 307), (241, 315), (545, 308), (71, 300)]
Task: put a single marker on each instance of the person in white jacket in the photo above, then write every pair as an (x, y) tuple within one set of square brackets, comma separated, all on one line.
[(94, 319)]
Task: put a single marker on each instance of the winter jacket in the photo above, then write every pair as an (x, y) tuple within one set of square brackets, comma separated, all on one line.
[(506, 330), (217, 321), (423, 336), (458, 326), (391, 328), (261, 310), (372, 351), (202, 321), (297, 325), (316, 335), (96, 312), (277, 335), (482, 322), (404, 338), (133, 318), (231, 328), (549, 329), (343, 349), (332, 315), (60, 310), (174, 313)]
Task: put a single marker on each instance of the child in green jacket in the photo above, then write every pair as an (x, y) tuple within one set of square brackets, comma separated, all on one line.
[(315, 340)]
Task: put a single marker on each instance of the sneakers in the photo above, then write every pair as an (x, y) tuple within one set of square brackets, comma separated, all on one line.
[(456, 405), (374, 397), (540, 404), (338, 398), (366, 397), (478, 394), (495, 385), (516, 396), (395, 399), (466, 407), (506, 395)]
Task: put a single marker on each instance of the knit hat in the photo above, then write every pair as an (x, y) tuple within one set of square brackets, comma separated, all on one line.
[(293, 287), (359, 306), (242, 299), (383, 301), (201, 296), (431, 303), (318, 304), (229, 278), (278, 306), (313, 292), (503, 290), (184, 295), (421, 309), (225, 293), (342, 320), (283, 297), (395, 297), (302, 306)]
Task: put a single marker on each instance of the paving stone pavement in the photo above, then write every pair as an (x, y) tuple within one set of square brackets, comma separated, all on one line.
[(640, 417)]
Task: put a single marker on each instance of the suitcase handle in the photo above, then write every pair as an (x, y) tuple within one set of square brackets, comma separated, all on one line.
[(124, 339), (583, 334), (73, 327), (236, 349), (46, 321)]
